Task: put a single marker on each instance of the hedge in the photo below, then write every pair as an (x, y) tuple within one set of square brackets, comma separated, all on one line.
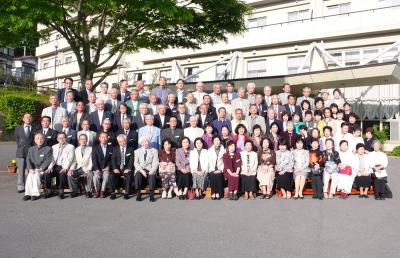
[(396, 151), (15, 103)]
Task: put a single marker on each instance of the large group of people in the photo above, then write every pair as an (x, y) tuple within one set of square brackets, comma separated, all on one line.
[(250, 143)]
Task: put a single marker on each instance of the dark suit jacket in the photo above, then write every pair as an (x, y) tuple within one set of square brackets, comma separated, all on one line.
[(116, 158), (83, 95), (132, 138), (175, 137), (290, 140), (171, 111), (211, 111), (278, 122), (157, 121), (185, 123), (61, 94), (99, 160), (50, 138), (76, 125), (184, 96), (72, 137), (297, 109), (111, 138), (23, 141), (137, 122), (95, 123), (263, 110), (117, 121), (209, 119), (127, 96)]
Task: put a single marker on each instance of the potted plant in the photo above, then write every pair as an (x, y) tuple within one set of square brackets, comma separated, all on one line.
[(12, 168)]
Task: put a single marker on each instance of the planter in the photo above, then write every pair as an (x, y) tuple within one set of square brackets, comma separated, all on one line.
[(11, 169)]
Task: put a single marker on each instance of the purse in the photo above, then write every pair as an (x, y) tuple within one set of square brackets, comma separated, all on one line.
[(191, 195), (346, 171)]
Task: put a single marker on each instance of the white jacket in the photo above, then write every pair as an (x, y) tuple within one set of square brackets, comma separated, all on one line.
[(67, 156), (253, 162), (214, 159), (194, 159), (84, 162)]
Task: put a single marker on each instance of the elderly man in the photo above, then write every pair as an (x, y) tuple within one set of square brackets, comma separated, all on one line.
[(221, 121), (138, 121), (70, 104), (161, 120), (122, 164), (162, 91), (37, 161), (91, 105), (283, 96), (98, 116), (143, 93), (24, 140), (239, 119), (124, 95), (146, 165), (55, 113), (61, 165), (225, 103), (193, 131), (182, 116), (267, 95), (69, 132), (271, 118), (134, 103), (101, 159), (254, 119), (204, 117), (82, 167), (80, 115), (84, 93), (131, 135), (241, 102), (306, 96), (199, 93), (173, 133), (106, 127), (62, 93), (91, 136), (291, 107), (261, 107), (191, 106), (278, 109), (112, 104), (153, 104), (251, 95), (171, 105), (152, 132), (216, 94), (180, 92)]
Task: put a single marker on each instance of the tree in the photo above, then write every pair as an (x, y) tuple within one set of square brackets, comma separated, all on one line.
[(92, 27)]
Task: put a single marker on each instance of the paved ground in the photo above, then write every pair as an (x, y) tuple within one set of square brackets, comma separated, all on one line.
[(173, 228)]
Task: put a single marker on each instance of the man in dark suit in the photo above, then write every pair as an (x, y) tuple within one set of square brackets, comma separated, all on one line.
[(171, 106), (291, 106), (84, 94), (122, 164), (161, 119), (50, 135), (271, 118), (210, 109), (24, 139), (183, 118), (131, 135), (70, 133), (101, 159), (180, 92), (77, 117), (121, 116), (278, 109), (204, 117), (62, 93), (172, 133), (138, 121), (262, 108), (124, 95), (106, 127), (98, 116)]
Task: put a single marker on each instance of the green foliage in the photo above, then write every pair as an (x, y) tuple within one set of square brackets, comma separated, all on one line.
[(92, 27), (396, 151), (381, 136), (15, 103)]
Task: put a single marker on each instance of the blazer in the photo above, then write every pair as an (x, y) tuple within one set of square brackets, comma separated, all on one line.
[(91, 137), (23, 141), (85, 161), (153, 109), (155, 136), (109, 107), (95, 123), (184, 93), (158, 123), (230, 164), (174, 137), (56, 122), (39, 158), (285, 160), (132, 138), (50, 138), (162, 96), (262, 109), (291, 140), (61, 94), (251, 163), (185, 123), (67, 156), (71, 136), (111, 138), (214, 160), (280, 110), (116, 159), (138, 122), (181, 159), (259, 120), (239, 103), (99, 160), (150, 163), (83, 95), (73, 108), (171, 110), (211, 111), (133, 110), (75, 124), (297, 110), (194, 159), (117, 121), (209, 119), (126, 97), (268, 125)]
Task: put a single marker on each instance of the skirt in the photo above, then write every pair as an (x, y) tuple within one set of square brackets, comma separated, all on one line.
[(183, 180), (363, 181), (266, 177), (301, 173), (345, 183), (198, 181), (233, 182), (284, 181), (216, 183), (249, 183), (168, 179)]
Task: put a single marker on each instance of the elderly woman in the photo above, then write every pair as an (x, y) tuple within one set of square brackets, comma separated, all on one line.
[(378, 163), (198, 166), (284, 169), (208, 135), (225, 135), (332, 160), (346, 174), (369, 139), (249, 170), (183, 173), (232, 164), (361, 165), (290, 135), (266, 165), (301, 168), (167, 169), (216, 168), (193, 132)]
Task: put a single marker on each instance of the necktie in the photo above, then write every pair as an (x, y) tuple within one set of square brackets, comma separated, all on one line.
[(59, 155), (145, 155), (122, 158), (27, 130), (104, 150), (44, 132), (83, 151), (126, 132)]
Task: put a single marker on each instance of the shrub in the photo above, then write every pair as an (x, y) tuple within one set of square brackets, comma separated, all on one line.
[(396, 151), (380, 135)]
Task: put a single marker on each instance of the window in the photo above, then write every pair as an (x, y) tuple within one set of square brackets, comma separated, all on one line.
[(68, 59), (167, 74), (338, 9), (352, 58), (191, 70), (221, 74), (298, 15), (257, 22), (388, 3), (337, 56), (370, 53), (294, 63), (257, 68), (141, 77), (45, 65)]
